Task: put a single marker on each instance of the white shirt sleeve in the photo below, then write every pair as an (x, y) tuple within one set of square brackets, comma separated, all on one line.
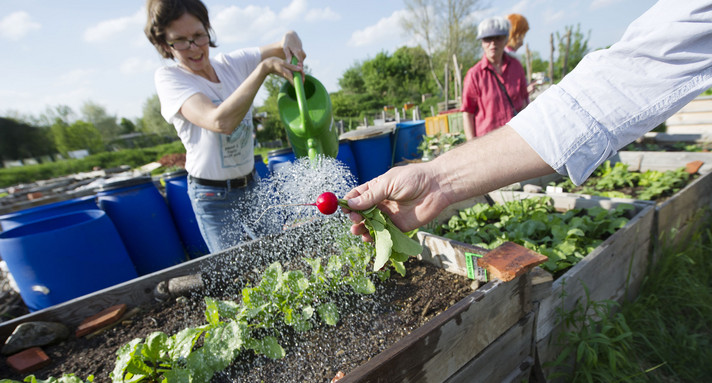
[(615, 95)]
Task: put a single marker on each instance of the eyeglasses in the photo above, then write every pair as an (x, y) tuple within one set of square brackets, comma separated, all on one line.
[(183, 44), (493, 39)]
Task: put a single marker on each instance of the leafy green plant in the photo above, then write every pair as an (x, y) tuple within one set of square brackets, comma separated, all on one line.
[(607, 181), (391, 244), (597, 345), (565, 238)]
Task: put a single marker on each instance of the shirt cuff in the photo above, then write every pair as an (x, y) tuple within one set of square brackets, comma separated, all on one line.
[(575, 150)]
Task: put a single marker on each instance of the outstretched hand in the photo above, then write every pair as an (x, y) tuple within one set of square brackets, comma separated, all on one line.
[(411, 195)]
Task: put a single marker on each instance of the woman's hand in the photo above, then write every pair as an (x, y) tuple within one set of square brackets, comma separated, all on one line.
[(292, 46)]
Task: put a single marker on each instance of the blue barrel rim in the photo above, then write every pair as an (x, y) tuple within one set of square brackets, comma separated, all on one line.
[(12, 233), (40, 208), (124, 183), (280, 151), (174, 174)]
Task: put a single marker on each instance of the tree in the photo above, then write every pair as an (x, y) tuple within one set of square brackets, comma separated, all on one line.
[(444, 28), (20, 140), (153, 121), (127, 126), (272, 127), (76, 136), (97, 116), (577, 49)]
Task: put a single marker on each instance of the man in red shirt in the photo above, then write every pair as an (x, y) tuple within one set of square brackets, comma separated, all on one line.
[(495, 89)]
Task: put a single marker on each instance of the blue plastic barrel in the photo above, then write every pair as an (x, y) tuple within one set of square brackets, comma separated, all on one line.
[(346, 156), (373, 151), (261, 167), (144, 223), (64, 257), (183, 215), (406, 138), (276, 159), (21, 217)]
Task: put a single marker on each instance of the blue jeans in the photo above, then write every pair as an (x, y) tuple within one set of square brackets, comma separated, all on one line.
[(217, 213)]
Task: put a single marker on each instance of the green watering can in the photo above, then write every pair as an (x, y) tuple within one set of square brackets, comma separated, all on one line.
[(305, 109)]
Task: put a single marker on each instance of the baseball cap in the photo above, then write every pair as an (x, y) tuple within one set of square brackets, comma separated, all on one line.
[(493, 26)]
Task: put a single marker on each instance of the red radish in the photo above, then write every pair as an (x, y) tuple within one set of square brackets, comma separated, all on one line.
[(327, 203)]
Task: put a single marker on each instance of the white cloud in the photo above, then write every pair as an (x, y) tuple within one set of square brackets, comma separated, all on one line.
[(262, 24), (597, 4), (108, 29), (385, 29), (16, 25), (293, 11), (325, 14), (552, 16), (137, 65), (74, 78), (235, 24)]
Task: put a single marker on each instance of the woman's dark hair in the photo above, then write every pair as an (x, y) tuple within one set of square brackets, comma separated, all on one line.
[(161, 13)]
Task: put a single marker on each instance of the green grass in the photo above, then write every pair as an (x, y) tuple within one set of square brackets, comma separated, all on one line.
[(664, 335), (672, 317)]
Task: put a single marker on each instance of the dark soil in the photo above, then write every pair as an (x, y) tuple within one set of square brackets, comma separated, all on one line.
[(368, 325)]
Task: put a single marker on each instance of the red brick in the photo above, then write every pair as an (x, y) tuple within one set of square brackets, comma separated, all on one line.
[(28, 360), (509, 261), (694, 166), (33, 196), (100, 320)]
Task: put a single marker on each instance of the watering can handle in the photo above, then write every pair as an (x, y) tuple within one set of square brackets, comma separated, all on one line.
[(301, 101)]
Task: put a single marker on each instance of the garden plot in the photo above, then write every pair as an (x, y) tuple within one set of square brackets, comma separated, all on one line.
[(446, 339), (612, 270)]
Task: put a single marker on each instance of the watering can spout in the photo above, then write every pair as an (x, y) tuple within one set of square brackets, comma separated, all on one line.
[(305, 109)]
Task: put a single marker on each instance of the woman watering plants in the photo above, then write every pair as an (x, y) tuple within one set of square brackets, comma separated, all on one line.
[(208, 100), (495, 89)]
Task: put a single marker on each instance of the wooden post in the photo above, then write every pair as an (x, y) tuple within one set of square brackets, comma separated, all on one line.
[(564, 70), (551, 59), (447, 83), (458, 79), (528, 58)]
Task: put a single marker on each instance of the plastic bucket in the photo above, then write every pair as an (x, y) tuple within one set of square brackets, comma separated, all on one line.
[(144, 223), (346, 156), (183, 214), (66, 256), (279, 158), (261, 167), (373, 151), (21, 217), (406, 138)]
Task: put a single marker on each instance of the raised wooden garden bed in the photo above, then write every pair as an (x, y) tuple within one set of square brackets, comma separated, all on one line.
[(613, 271), (474, 330)]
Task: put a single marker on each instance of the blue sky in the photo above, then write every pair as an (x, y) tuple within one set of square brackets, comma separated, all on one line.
[(68, 52)]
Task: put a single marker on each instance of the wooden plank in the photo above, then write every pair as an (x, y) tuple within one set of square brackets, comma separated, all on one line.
[(679, 211), (508, 359), (672, 137), (664, 161), (568, 201), (440, 348), (703, 117), (450, 255), (613, 271), (699, 104)]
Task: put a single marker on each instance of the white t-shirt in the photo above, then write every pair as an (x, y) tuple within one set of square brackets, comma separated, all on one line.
[(210, 155)]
